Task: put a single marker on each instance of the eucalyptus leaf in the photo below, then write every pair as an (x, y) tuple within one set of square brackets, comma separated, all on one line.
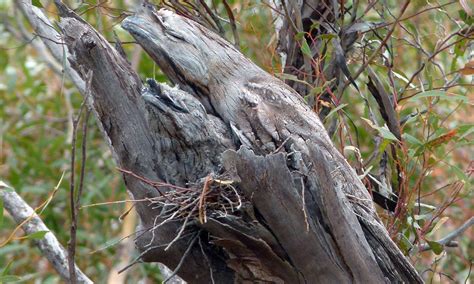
[(9, 278), (334, 110), (305, 48), (37, 235), (438, 225), (441, 95), (411, 139), (436, 247), (1, 213), (383, 131), (37, 3)]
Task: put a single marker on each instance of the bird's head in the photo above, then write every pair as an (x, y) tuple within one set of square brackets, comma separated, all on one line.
[(186, 51), (173, 49)]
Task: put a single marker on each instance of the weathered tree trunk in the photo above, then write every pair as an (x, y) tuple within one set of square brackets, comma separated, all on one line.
[(247, 185)]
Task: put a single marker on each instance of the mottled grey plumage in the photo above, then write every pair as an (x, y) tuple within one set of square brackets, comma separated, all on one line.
[(162, 99), (189, 140)]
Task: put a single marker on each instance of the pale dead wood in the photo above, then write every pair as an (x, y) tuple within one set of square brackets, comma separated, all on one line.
[(31, 223)]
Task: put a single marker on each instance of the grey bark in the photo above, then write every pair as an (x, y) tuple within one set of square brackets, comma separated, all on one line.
[(306, 217)]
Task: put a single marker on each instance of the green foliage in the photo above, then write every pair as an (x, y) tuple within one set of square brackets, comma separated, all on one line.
[(37, 235), (37, 3), (1, 213), (426, 70), (305, 49)]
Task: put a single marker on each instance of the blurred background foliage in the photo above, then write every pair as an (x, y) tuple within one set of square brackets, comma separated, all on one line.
[(37, 105)]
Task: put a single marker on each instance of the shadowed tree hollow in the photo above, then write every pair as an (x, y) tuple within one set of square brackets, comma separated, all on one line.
[(235, 177)]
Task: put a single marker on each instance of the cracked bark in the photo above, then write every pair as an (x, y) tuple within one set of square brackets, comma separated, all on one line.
[(307, 216)]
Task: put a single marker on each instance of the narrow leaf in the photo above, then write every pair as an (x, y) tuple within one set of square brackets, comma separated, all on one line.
[(37, 235), (334, 110), (305, 48), (37, 3), (7, 268), (441, 139), (436, 247), (383, 131), (9, 278), (441, 95), (1, 213), (411, 139), (291, 77), (405, 244), (439, 224)]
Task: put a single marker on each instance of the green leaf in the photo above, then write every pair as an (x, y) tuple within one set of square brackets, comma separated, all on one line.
[(429, 75), (412, 28), (460, 48), (383, 131), (37, 235), (465, 130), (305, 48), (386, 133), (421, 217), (299, 36), (439, 94), (405, 244), (411, 153), (334, 110), (419, 151), (37, 3), (436, 247), (3, 60), (438, 225), (9, 278), (383, 145), (460, 174), (291, 77), (411, 139), (314, 25), (314, 91), (453, 68), (318, 90), (402, 76), (469, 20), (1, 213), (7, 268), (327, 37)]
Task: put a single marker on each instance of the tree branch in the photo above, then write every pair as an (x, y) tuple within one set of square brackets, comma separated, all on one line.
[(31, 223), (449, 238)]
